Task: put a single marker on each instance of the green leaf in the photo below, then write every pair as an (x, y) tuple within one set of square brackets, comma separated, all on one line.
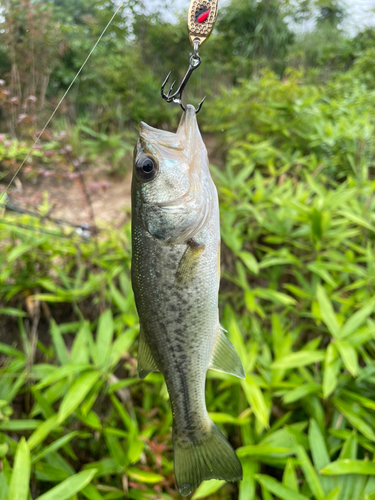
[(278, 489), (301, 392), (331, 369), (298, 359), (104, 337), (103, 467), (62, 372), (207, 488), (56, 445), (77, 393), (143, 476), (318, 446), (19, 483), (290, 477), (342, 467), (350, 447), (17, 251), (247, 486), (370, 487), (327, 312), (322, 273), (250, 262), (50, 473), (259, 450), (362, 400), (11, 351), (274, 296), (42, 431), (128, 422), (91, 420), (122, 345), (80, 352), (310, 473), (12, 311), (354, 419), (19, 425), (68, 488), (320, 454), (224, 418), (316, 224), (334, 494), (4, 490), (119, 299), (4, 448), (255, 399), (59, 343), (357, 219), (92, 493), (115, 448), (348, 355), (357, 320)]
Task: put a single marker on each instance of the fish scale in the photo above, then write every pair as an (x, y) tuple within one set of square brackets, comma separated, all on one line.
[(175, 277)]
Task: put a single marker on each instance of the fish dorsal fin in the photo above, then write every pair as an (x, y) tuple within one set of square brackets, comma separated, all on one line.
[(224, 357), (146, 362)]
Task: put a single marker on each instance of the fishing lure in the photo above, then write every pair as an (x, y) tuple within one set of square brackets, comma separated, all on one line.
[(201, 19)]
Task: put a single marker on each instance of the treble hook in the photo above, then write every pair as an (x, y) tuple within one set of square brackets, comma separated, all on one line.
[(194, 62)]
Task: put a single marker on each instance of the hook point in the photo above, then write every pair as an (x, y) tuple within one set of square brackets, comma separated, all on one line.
[(200, 105)]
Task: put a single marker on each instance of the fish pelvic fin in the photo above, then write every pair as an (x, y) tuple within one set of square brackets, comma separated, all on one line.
[(208, 457), (224, 357), (146, 362)]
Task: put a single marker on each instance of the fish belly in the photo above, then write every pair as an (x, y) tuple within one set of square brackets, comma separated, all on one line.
[(179, 320)]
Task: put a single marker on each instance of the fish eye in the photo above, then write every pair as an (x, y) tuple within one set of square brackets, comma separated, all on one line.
[(146, 167)]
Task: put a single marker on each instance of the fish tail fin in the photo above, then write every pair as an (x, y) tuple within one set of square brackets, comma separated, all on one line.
[(208, 457)]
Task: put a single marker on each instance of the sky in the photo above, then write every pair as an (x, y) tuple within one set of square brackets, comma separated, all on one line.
[(360, 14)]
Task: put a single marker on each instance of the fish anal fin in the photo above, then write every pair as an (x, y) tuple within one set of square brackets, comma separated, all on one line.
[(224, 357), (187, 267), (146, 362)]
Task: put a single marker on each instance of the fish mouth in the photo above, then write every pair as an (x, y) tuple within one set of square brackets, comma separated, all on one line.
[(199, 197), (187, 137)]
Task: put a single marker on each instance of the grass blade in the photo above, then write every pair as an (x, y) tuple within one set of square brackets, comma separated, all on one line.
[(278, 489), (19, 483), (77, 393), (68, 488)]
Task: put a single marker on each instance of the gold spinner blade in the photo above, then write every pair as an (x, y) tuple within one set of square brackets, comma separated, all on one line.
[(201, 19)]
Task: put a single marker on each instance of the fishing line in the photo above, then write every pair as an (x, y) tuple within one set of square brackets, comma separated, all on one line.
[(61, 100)]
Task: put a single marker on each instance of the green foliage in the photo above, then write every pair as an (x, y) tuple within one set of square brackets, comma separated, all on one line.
[(297, 300), (254, 32), (297, 294), (68, 376), (289, 125)]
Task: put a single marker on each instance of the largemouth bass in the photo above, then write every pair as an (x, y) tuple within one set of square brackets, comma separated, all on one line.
[(175, 276)]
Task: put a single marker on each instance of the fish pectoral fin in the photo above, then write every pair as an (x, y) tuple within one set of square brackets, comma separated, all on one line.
[(187, 267), (224, 357), (146, 362)]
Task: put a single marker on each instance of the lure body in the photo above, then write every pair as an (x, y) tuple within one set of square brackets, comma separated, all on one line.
[(175, 276)]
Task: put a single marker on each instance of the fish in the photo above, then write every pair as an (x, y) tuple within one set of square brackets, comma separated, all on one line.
[(175, 273)]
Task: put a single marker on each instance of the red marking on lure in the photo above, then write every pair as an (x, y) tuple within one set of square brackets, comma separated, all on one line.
[(202, 17)]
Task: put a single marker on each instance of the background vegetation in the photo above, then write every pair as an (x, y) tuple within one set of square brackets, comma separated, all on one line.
[(292, 113)]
